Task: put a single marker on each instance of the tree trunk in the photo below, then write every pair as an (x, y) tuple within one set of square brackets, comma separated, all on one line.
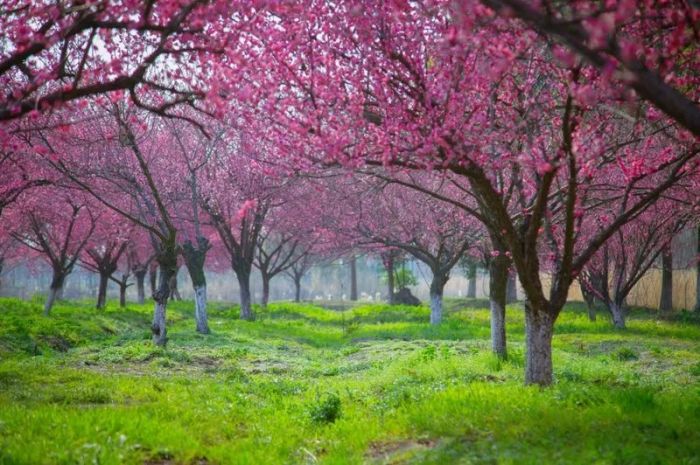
[(244, 285), (539, 328), (617, 311), (353, 278), (122, 294), (174, 292), (102, 292), (59, 291), (511, 289), (297, 289), (437, 286), (498, 283), (390, 278), (265, 290), (200, 309), (195, 258), (167, 266), (697, 274), (55, 291), (589, 298), (471, 284), (153, 277), (666, 301), (140, 291)]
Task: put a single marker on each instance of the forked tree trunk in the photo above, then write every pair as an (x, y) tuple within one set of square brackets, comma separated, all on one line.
[(498, 282), (539, 329), (437, 286), (102, 292), (471, 283), (666, 300), (511, 288), (244, 286), (353, 278), (55, 291), (617, 312)]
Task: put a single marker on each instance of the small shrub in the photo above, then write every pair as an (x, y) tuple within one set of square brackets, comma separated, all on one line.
[(625, 354), (428, 354), (695, 370), (325, 410)]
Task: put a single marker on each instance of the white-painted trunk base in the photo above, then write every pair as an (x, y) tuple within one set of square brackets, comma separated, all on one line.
[(435, 309), (498, 329), (200, 309), (158, 329)]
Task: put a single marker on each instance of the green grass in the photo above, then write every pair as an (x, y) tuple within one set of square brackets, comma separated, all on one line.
[(371, 384)]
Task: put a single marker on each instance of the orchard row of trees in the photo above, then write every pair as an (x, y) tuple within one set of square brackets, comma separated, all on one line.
[(550, 138)]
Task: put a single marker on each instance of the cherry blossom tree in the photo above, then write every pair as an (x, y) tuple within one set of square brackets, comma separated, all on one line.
[(392, 216), (104, 251), (621, 38), (615, 269), (55, 53), (114, 157), (57, 227), (494, 102)]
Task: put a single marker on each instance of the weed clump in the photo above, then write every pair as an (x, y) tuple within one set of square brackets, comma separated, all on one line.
[(325, 410), (625, 354)]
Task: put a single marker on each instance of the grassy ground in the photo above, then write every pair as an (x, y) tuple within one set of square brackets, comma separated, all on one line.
[(305, 385)]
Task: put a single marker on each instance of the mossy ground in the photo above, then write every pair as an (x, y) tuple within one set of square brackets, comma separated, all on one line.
[(307, 385)]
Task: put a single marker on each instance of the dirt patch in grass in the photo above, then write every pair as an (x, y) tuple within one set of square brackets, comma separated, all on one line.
[(57, 343), (167, 459), (397, 451)]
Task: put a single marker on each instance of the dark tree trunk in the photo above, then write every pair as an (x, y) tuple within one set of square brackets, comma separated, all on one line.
[(617, 312), (589, 298), (153, 277), (244, 286), (122, 293), (174, 292), (471, 283), (55, 291), (265, 290), (102, 292), (167, 267), (539, 329), (498, 282), (140, 276), (437, 286), (297, 289), (666, 301), (389, 265), (511, 289), (697, 274), (195, 258), (353, 278)]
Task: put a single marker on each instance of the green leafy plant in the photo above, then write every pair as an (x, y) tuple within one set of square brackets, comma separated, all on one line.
[(326, 409)]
